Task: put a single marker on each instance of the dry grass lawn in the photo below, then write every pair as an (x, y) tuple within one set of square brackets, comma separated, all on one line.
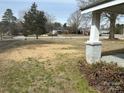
[(46, 66)]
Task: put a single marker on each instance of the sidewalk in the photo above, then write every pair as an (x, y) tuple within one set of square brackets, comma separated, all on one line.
[(115, 58)]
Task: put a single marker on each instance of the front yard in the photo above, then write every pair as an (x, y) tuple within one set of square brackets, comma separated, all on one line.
[(46, 66)]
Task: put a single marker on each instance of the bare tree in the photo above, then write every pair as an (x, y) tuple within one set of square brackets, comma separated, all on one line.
[(111, 16), (1, 30), (50, 21), (86, 20), (84, 3), (74, 21), (21, 15), (112, 20), (50, 18)]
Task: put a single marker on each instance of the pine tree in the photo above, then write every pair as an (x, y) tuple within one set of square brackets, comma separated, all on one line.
[(8, 16), (9, 21), (35, 21)]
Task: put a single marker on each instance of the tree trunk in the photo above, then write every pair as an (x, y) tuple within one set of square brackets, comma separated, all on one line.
[(112, 26), (25, 37), (36, 36), (1, 36)]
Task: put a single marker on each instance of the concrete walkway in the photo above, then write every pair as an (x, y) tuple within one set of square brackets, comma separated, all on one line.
[(115, 58)]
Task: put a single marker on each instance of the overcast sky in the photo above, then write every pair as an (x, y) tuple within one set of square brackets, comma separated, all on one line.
[(61, 9)]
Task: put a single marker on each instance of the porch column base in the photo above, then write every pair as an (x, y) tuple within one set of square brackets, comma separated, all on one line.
[(93, 51)]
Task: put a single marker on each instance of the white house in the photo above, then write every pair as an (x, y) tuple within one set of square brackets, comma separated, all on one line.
[(93, 45)]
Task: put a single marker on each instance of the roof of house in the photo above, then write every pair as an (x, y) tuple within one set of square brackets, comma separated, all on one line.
[(95, 4), (101, 4)]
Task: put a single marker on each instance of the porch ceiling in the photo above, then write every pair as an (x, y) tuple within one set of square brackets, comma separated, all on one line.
[(117, 9), (114, 6)]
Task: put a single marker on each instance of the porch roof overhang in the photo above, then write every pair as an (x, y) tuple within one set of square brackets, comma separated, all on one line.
[(114, 6)]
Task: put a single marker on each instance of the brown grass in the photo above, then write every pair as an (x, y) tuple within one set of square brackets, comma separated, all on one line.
[(59, 55), (51, 66), (45, 51)]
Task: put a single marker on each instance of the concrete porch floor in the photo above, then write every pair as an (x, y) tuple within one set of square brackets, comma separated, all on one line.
[(115, 58)]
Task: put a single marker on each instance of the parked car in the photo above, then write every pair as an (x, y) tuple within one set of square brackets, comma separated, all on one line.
[(53, 33)]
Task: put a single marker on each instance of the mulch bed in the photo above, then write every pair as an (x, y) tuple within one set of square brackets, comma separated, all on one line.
[(107, 78)]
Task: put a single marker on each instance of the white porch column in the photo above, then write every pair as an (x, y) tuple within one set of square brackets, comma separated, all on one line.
[(93, 45)]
